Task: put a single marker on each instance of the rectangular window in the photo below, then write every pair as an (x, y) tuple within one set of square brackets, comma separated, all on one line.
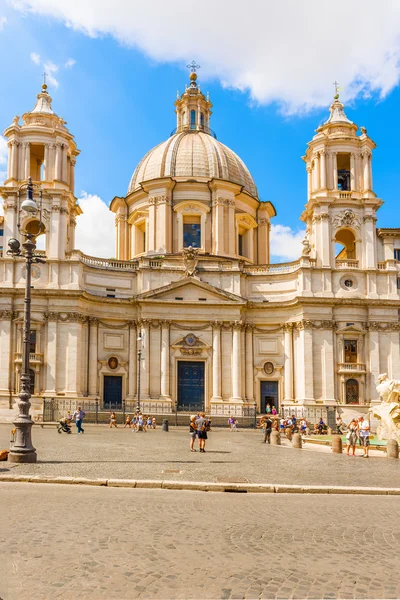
[(397, 254), (1, 232), (240, 244), (398, 283), (350, 351), (32, 342), (192, 235)]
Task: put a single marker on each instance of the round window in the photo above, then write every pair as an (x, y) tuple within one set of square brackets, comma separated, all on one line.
[(348, 283)]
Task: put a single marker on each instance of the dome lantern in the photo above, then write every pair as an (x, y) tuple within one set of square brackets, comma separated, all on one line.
[(193, 109)]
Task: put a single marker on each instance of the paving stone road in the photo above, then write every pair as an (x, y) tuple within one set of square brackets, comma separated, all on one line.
[(234, 457), (70, 542)]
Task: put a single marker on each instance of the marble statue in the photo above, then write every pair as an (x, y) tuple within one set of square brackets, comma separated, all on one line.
[(388, 412)]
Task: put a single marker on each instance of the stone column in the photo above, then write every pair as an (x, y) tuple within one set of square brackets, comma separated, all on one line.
[(370, 241), (365, 169), (216, 362), (64, 175), (93, 355), (249, 363), (325, 236), (53, 242), (236, 356), (46, 174), (309, 180), (218, 229), (323, 170), (352, 172), (72, 175), (373, 360), (152, 225), (165, 389), (334, 171), (370, 171), (58, 162), (9, 162), (288, 366), (145, 362), (51, 351), (5, 350), (14, 159), (231, 228), (317, 172), (304, 362), (132, 361), (263, 241), (21, 161), (359, 174)]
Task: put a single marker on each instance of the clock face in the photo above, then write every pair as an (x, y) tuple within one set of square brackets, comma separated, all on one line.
[(190, 339)]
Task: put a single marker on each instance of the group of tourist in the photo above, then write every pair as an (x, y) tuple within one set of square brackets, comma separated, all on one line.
[(358, 430), (138, 422), (198, 427)]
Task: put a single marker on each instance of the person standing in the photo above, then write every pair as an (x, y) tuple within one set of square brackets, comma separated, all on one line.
[(201, 431), (192, 432), (267, 430), (364, 431), (113, 420), (79, 415), (351, 437)]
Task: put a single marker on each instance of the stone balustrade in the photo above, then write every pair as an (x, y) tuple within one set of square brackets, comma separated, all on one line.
[(348, 263)]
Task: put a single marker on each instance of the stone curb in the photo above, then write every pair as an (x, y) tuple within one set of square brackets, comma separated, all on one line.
[(204, 486)]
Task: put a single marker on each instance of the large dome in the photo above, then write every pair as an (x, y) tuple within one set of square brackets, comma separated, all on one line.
[(193, 154)]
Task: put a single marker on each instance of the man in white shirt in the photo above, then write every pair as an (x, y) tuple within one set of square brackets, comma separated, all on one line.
[(364, 429)]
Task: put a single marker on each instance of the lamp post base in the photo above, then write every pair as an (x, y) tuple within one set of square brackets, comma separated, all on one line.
[(25, 456)]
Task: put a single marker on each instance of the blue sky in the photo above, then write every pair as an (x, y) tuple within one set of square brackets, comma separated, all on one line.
[(118, 102)]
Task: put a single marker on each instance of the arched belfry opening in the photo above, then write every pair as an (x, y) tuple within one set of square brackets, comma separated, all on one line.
[(345, 245)]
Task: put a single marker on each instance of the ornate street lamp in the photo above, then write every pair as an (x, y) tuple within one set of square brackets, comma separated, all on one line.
[(139, 358), (22, 450)]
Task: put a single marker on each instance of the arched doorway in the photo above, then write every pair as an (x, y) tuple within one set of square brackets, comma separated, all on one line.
[(345, 245), (352, 391)]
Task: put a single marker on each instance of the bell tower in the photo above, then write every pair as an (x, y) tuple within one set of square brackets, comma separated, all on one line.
[(41, 147), (341, 204)]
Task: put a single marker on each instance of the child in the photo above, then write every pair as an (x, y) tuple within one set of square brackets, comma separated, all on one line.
[(128, 421), (154, 422), (149, 422), (113, 420)]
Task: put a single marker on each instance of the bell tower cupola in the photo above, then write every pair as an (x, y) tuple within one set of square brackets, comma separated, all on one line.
[(341, 203), (193, 109), (41, 147)]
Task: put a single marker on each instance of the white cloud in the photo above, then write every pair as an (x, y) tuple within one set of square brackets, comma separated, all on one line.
[(286, 243), (35, 57), (3, 21), (287, 51), (3, 159), (95, 229), (69, 63)]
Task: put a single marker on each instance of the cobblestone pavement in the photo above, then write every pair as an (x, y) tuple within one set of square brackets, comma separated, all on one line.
[(230, 457), (109, 543)]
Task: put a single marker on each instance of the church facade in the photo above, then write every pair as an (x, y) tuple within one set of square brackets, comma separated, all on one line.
[(218, 327)]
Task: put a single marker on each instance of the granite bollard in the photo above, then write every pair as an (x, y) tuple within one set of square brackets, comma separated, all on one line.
[(337, 446), (392, 449), (275, 438), (297, 441)]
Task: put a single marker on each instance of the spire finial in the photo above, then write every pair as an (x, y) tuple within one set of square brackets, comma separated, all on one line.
[(44, 85), (337, 88)]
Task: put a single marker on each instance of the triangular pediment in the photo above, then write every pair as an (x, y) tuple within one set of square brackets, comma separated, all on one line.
[(350, 329), (190, 290)]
